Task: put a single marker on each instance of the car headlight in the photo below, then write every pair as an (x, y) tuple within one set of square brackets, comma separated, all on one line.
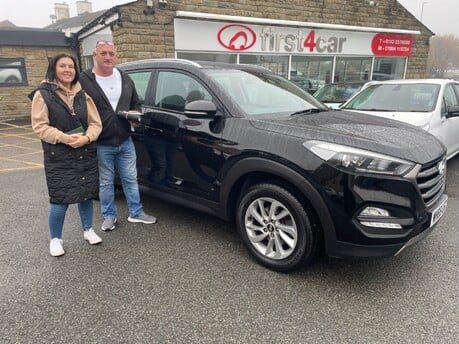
[(352, 159)]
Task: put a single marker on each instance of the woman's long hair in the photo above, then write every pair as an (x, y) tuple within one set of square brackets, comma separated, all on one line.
[(51, 72)]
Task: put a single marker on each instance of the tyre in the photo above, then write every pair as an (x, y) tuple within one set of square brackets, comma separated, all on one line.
[(275, 227), (11, 80)]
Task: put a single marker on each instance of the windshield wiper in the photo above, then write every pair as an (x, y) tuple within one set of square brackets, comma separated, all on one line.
[(379, 110), (306, 112)]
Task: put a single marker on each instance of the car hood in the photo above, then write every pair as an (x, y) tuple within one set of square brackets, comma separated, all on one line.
[(419, 119), (357, 130)]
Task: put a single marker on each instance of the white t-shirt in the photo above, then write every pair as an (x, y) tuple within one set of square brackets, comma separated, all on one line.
[(111, 85)]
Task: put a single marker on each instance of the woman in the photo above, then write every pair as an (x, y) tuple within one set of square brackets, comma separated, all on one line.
[(66, 120)]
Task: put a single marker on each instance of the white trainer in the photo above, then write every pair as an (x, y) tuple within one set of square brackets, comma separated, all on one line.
[(56, 248), (91, 237)]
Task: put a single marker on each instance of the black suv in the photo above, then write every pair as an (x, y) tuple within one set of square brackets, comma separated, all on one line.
[(245, 144)]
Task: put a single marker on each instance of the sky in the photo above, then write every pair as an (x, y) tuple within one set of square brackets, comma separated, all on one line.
[(440, 16)]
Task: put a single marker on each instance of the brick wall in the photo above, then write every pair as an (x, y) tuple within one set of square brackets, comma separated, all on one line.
[(13, 100), (151, 36)]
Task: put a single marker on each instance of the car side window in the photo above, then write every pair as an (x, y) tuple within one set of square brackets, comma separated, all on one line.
[(455, 88), (449, 98), (141, 80), (174, 90)]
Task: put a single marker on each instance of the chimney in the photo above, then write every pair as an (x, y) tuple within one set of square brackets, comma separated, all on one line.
[(83, 7), (61, 11)]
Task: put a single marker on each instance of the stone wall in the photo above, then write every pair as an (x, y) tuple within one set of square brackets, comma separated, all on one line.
[(151, 36), (13, 100), (143, 36)]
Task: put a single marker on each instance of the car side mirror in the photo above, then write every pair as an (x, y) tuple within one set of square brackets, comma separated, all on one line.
[(453, 111), (200, 109)]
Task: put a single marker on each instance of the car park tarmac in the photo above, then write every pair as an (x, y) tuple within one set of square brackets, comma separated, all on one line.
[(189, 279)]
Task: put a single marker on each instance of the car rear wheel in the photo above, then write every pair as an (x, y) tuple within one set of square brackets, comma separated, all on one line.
[(275, 227)]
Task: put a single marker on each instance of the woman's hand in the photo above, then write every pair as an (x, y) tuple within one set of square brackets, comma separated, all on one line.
[(78, 140)]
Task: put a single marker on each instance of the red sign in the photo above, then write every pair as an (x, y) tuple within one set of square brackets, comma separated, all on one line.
[(388, 44), (237, 37)]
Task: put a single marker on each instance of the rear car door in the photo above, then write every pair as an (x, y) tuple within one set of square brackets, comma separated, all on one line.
[(179, 154)]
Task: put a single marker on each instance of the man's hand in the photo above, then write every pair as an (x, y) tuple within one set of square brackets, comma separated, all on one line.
[(134, 124)]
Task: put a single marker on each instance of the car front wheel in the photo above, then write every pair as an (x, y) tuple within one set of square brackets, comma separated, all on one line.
[(275, 227)]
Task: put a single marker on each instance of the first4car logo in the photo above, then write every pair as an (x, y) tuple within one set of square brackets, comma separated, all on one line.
[(238, 37)]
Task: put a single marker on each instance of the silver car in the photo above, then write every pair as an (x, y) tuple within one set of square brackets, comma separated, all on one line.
[(430, 104)]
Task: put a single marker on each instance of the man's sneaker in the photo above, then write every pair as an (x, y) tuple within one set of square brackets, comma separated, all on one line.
[(55, 247), (108, 224), (91, 237), (143, 218)]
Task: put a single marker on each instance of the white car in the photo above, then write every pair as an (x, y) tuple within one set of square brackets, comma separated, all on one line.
[(10, 75), (335, 94), (431, 104)]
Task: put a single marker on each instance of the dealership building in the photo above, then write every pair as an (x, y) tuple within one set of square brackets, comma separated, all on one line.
[(309, 42)]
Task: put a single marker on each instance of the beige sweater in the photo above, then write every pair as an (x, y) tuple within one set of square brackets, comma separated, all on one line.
[(49, 134)]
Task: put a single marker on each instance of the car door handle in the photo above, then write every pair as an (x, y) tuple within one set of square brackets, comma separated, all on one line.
[(155, 129)]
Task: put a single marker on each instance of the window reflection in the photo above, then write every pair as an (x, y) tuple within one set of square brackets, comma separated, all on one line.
[(311, 72), (12, 72)]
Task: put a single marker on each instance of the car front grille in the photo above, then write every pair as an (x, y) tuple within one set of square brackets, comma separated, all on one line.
[(431, 181)]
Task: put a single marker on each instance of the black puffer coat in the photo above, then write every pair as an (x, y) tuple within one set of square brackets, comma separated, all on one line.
[(71, 173)]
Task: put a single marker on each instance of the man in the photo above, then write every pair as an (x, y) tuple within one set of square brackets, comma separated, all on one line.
[(114, 91)]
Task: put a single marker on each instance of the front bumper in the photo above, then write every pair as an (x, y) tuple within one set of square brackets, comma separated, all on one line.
[(420, 231)]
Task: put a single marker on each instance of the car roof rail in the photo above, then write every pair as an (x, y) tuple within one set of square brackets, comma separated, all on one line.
[(189, 62)]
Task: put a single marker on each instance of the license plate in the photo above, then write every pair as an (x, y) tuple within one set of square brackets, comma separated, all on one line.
[(438, 212)]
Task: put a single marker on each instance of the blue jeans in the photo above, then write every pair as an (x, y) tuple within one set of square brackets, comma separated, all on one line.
[(56, 217), (122, 159)]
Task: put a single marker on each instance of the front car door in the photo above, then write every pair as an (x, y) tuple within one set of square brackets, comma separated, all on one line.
[(450, 126)]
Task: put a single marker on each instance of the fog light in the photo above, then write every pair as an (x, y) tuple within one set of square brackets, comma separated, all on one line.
[(390, 225), (370, 213)]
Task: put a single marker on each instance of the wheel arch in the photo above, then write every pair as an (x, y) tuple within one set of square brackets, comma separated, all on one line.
[(253, 170)]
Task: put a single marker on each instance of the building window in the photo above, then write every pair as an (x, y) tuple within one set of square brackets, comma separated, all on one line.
[(12, 72), (311, 72), (352, 69), (386, 68), (87, 62), (276, 63)]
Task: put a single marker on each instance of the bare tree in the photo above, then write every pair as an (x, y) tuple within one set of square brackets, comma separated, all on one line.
[(443, 55)]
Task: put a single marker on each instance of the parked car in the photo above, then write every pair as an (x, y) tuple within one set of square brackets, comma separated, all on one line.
[(335, 94), (431, 104), (305, 83), (10, 75), (246, 145)]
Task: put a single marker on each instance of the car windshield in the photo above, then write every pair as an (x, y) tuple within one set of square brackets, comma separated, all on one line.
[(258, 93), (409, 97), (337, 93)]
